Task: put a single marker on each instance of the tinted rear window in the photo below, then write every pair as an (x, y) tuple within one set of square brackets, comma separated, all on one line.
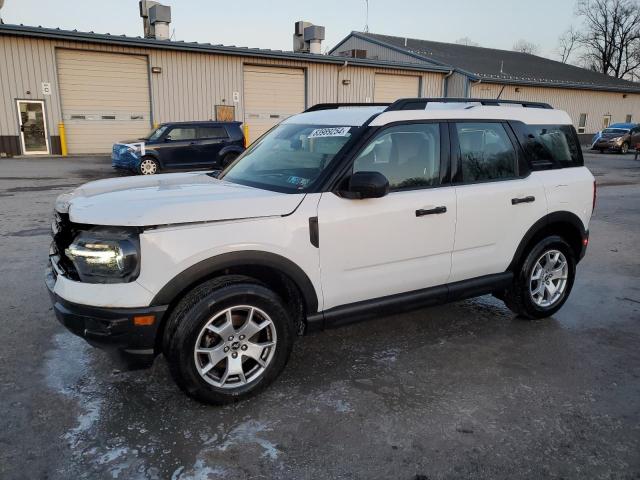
[(550, 146)]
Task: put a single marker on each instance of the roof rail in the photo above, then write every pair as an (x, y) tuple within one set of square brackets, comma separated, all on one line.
[(332, 106), (421, 103)]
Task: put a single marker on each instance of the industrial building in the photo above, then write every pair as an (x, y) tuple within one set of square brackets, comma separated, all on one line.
[(101, 88), (593, 100), (104, 88)]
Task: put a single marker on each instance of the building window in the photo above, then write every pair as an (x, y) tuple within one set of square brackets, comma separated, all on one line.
[(629, 117), (606, 121), (582, 124)]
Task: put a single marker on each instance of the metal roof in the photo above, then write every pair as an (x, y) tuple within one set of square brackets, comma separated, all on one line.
[(123, 40), (499, 66)]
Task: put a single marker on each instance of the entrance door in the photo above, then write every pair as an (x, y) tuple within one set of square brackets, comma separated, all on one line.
[(33, 127)]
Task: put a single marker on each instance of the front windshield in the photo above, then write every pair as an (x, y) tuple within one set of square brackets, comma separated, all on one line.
[(289, 158), (617, 131), (156, 134)]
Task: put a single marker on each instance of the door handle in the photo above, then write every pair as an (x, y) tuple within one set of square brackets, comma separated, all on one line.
[(529, 199), (431, 211)]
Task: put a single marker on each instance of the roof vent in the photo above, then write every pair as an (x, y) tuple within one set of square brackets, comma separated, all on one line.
[(307, 37), (155, 19)]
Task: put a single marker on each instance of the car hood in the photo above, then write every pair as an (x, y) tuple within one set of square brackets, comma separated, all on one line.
[(170, 199), (610, 136)]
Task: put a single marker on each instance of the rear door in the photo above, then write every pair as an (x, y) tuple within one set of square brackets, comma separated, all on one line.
[(211, 139), (497, 199), (179, 148)]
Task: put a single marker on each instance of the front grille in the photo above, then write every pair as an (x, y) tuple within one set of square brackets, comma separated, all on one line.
[(63, 233)]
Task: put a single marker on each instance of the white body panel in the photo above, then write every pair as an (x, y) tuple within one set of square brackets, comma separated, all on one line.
[(377, 247), (569, 190), (173, 198), (489, 227)]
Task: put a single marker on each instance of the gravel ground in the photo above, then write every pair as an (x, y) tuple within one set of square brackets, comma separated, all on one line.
[(457, 391)]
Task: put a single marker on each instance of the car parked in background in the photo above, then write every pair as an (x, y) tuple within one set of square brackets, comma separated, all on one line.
[(183, 145), (618, 136)]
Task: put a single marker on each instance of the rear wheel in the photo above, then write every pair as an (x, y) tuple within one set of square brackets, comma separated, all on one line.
[(231, 337), (228, 158), (544, 280), (148, 166)]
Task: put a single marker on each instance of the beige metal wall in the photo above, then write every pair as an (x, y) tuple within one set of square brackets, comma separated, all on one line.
[(574, 102), (189, 86)]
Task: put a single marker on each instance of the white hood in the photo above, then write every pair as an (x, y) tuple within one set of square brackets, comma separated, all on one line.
[(169, 199)]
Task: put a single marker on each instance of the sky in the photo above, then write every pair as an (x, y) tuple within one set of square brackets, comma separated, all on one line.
[(269, 24)]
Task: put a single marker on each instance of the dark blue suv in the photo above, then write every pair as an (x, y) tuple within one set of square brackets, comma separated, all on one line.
[(183, 145)]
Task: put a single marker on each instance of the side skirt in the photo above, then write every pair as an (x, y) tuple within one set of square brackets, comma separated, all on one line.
[(404, 302)]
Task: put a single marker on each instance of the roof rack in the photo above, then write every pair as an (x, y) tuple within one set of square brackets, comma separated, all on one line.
[(333, 106), (421, 103)]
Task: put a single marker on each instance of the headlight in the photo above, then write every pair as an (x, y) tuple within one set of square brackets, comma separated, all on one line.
[(105, 256), (618, 139)]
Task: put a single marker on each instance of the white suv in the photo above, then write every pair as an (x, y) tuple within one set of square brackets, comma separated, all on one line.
[(337, 214)]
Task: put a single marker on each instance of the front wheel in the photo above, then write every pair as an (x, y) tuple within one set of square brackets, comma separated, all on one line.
[(544, 280), (228, 339), (624, 148), (148, 166)]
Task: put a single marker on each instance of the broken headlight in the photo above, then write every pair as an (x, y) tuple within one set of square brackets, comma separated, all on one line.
[(105, 255)]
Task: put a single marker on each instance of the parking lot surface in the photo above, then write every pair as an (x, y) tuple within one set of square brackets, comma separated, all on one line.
[(457, 391)]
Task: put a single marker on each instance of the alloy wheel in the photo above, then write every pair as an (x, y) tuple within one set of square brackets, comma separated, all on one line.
[(148, 167), (548, 279), (235, 347)]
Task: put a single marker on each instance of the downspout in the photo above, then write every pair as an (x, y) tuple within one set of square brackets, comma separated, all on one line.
[(445, 84), (475, 82), (340, 69)]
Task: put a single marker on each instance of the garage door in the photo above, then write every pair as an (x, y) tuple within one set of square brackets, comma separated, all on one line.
[(271, 94), (105, 98), (389, 88)]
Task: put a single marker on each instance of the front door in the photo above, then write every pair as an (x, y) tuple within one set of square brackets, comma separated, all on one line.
[(34, 138), (398, 243), (180, 147)]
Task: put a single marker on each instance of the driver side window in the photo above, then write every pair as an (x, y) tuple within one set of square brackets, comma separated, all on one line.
[(408, 155)]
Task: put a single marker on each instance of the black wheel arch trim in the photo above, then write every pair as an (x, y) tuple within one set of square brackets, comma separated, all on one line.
[(540, 226), (230, 149), (204, 269)]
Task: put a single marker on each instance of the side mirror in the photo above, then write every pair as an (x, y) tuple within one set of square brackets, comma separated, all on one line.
[(367, 185), (167, 138)]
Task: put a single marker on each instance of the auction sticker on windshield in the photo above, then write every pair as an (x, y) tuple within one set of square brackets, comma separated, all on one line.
[(330, 132)]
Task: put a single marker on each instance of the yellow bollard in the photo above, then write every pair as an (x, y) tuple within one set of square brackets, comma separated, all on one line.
[(63, 139), (245, 130)]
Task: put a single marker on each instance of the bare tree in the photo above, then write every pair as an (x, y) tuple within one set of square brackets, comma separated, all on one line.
[(467, 41), (611, 39), (524, 46), (567, 44)]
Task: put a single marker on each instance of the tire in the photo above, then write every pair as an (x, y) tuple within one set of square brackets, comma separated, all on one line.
[(148, 166), (227, 159), (524, 298), (201, 319), (624, 148)]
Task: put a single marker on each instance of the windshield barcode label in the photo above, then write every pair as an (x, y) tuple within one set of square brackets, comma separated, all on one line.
[(330, 132)]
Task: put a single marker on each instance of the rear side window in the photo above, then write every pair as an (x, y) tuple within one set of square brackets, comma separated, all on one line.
[(212, 132), (551, 146), (486, 152)]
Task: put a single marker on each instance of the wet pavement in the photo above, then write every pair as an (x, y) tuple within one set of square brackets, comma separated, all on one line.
[(457, 391)]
